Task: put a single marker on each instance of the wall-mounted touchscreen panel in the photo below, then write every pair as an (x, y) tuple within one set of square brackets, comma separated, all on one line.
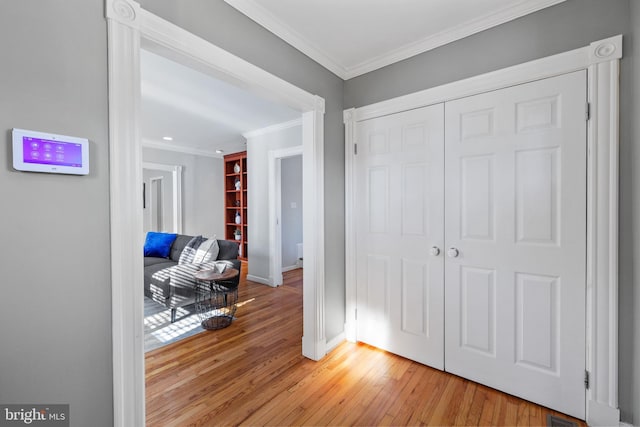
[(42, 152)]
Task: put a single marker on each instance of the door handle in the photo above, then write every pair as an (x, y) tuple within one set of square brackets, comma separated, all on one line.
[(435, 251), (453, 252)]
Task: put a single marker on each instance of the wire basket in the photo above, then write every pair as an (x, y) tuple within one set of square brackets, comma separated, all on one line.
[(215, 304)]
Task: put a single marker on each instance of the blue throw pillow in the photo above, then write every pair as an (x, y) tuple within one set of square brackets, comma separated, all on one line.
[(158, 244)]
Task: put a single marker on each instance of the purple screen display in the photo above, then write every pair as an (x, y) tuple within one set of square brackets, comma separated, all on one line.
[(47, 152)]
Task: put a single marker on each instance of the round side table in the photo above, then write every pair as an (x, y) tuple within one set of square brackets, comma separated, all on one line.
[(215, 304)]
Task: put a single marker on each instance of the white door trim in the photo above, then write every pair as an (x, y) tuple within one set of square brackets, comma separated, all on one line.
[(275, 214), (601, 60), (176, 177), (153, 203), (128, 26)]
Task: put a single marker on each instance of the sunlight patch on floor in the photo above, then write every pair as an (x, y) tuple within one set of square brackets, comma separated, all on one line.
[(240, 304), (160, 319), (174, 330)]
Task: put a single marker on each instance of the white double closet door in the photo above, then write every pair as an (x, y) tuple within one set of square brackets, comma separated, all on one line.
[(471, 238)]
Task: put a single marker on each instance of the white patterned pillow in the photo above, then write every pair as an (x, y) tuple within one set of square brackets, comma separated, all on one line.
[(189, 252), (207, 251)]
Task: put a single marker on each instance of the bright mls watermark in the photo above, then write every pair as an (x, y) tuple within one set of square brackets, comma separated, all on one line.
[(34, 415)]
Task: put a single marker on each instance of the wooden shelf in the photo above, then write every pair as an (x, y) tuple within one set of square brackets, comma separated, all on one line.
[(235, 199)]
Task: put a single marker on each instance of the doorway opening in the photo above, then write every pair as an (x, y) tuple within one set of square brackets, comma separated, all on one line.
[(156, 201), (292, 232), (129, 28)]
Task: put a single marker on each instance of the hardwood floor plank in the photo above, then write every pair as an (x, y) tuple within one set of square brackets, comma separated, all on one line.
[(339, 397), (465, 405), (408, 403), (477, 405), (252, 373)]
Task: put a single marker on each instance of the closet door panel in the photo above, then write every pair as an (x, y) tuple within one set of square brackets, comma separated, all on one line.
[(515, 218), (399, 204)]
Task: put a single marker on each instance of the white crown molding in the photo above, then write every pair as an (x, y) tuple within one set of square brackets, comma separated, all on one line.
[(260, 15), (264, 18), (149, 143), (461, 31), (273, 128)]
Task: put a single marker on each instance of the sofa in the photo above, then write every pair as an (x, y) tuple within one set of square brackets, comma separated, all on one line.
[(172, 284)]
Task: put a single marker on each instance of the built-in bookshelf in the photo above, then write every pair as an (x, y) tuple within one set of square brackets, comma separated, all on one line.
[(235, 200)]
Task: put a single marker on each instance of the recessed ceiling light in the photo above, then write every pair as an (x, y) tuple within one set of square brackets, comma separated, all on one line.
[(219, 151), (167, 138)]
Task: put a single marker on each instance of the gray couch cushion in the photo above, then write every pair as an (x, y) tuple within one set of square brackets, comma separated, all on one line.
[(151, 260), (178, 245), (228, 249)]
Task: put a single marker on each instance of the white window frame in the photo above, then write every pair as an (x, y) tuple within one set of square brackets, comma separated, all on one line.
[(601, 59)]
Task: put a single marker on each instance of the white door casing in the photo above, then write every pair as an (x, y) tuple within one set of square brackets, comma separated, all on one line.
[(176, 194), (399, 188), (128, 26), (601, 60), (156, 203), (275, 228), (515, 192)]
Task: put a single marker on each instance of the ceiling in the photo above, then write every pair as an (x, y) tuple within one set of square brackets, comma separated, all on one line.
[(203, 114), (353, 37), (200, 113)]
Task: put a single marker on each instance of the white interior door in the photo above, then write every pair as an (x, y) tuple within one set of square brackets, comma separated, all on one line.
[(515, 214), (399, 185)]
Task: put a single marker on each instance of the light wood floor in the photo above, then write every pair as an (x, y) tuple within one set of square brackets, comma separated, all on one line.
[(252, 373)]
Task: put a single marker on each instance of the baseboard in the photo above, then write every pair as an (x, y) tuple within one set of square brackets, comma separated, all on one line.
[(336, 341), (625, 424), (259, 279), (291, 267), (350, 331), (313, 350), (599, 414)]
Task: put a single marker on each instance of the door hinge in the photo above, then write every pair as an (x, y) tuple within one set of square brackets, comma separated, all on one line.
[(588, 111), (586, 379), (355, 148)]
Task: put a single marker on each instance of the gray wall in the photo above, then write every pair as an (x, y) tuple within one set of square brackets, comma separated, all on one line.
[(569, 25), (291, 217), (55, 319), (223, 26), (632, 178), (258, 193), (202, 190), (55, 306)]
